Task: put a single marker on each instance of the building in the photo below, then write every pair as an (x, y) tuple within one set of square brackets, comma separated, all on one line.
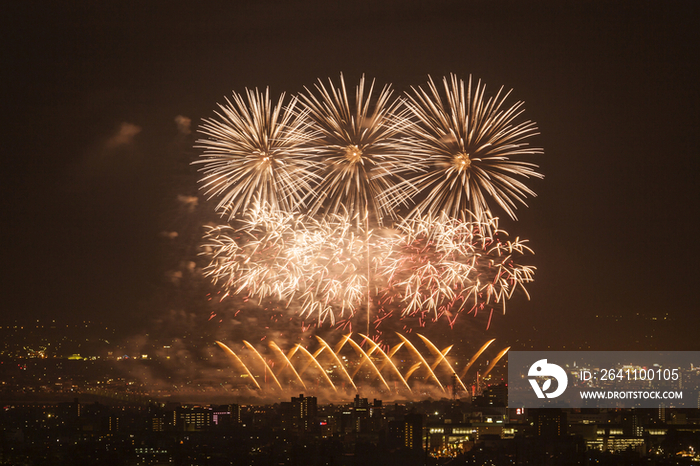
[(300, 414), (191, 419)]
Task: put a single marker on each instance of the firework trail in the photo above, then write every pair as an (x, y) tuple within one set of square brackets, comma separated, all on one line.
[(495, 361), (256, 150), (475, 357), (467, 143), (372, 368)]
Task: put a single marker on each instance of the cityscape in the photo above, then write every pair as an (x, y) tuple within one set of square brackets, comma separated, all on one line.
[(95, 407), (270, 233)]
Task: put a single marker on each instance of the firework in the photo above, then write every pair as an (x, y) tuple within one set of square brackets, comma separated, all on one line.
[(292, 257), (468, 143), (445, 265), (256, 150), (361, 156), (351, 163), (391, 372), (441, 266), (254, 254)]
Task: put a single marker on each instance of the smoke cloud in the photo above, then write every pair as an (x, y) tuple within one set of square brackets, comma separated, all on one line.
[(190, 202), (124, 135), (183, 124), (169, 234)]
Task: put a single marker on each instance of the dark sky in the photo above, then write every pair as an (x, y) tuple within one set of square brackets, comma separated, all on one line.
[(93, 162)]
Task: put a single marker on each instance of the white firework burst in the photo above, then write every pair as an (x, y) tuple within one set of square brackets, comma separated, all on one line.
[(256, 150), (361, 156), (470, 147)]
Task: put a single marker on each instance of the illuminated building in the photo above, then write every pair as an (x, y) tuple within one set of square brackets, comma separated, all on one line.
[(193, 419), (550, 422), (299, 415)]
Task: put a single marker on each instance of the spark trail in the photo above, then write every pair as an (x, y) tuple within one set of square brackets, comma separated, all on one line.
[(334, 368)]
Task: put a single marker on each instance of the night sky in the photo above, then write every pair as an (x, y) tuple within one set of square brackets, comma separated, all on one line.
[(96, 171)]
